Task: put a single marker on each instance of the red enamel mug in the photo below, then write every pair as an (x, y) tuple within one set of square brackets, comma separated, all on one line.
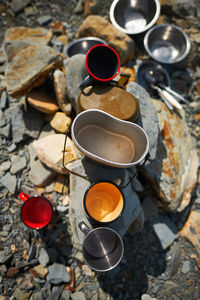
[(36, 211)]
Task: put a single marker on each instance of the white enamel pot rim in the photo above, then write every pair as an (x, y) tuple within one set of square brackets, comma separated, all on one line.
[(97, 114)]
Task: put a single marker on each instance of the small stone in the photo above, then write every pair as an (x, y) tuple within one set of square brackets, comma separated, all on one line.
[(18, 164), (57, 274), (10, 182), (30, 11), (3, 100), (61, 208), (5, 166), (44, 20), (185, 267), (147, 297), (66, 200), (87, 270), (43, 258), (78, 296), (79, 257), (65, 295), (12, 272), (18, 5), (60, 122), (12, 147), (42, 102), (165, 230), (60, 186), (42, 272)]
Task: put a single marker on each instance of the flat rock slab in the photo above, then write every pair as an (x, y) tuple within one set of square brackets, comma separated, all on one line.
[(33, 35), (28, 66), (78, 186)]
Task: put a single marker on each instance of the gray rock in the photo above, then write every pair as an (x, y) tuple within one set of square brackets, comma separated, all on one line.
[(57, 274), (75, 73), (5, 166), (62, 209), (39, 174), (12, 147), (4, 257), (43, 258), (37, 296), (148, 121), (10, 182), (23, 122), (2, 119), (6, 131), (18, 5), (65, 295), (147, 297), (79, 7), (185, 267), (165, 230), (44, 20), (4, 100), (56, 292), (18, 164), (78, 296)]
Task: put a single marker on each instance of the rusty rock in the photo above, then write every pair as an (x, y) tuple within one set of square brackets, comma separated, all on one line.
[(28, 66), (99, 27)]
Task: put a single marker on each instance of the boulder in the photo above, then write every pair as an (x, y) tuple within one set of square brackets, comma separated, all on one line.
[(50, 151), (173, 172), (99, 27), (28, 66)]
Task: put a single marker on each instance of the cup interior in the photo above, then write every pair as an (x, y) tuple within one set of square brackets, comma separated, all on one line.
[(103, 202), (102, 62), (36, 212)]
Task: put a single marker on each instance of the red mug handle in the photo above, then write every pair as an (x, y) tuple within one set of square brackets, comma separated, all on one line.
[(23, 196)]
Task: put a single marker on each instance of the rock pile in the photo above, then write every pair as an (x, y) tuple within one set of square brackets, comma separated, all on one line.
[(39, 90)]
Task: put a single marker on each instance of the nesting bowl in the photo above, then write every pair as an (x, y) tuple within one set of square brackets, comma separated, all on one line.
[(167, 43), (134, 17), (82, 45)]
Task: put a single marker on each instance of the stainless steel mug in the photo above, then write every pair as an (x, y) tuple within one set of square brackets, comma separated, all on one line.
[(102, 247)]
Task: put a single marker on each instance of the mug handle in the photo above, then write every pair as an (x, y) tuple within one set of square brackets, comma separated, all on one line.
[(89, 80), (84, 228), (23, 196)]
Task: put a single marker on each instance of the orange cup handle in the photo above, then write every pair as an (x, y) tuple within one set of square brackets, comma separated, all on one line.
[(23, 196)]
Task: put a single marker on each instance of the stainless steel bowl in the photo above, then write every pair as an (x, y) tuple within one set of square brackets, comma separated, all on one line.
[(167, 43), (81, 46), (133, 17)]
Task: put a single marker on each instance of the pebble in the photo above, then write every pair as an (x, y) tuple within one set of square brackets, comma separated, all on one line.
[(185, 267), (57, 274), (78, 296), (43, 258), (44, 20), (10, 182), (18, 164)]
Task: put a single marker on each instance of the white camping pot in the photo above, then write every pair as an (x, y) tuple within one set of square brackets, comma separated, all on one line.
[(109, 140)]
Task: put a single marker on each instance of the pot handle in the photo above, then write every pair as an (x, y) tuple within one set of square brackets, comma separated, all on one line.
[(24, 196), (84, 228)]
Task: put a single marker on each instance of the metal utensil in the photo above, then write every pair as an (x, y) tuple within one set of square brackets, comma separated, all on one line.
[(153, 78)]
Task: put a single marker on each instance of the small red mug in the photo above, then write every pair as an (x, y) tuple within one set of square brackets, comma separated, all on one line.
[(36, 211)]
